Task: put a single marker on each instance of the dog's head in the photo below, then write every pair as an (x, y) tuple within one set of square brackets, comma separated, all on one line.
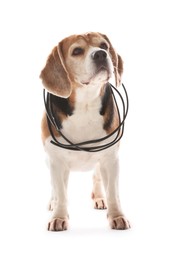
[(81, 60)]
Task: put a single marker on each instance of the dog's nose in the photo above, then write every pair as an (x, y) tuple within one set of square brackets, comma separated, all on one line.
[(100, 56)]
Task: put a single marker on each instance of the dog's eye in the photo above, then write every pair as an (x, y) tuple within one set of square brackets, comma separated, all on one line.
[(104, 46), (77, 51)]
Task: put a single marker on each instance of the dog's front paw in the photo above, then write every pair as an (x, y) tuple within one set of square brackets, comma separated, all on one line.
[(120, 223), (58, 224)]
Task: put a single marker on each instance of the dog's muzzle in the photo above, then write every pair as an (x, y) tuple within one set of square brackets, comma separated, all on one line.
[(99, 57)]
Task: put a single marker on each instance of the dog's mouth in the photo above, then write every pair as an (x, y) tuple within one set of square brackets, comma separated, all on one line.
[(102, 69)]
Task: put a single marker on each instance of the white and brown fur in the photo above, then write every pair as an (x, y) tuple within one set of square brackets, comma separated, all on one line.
[(77, 72)]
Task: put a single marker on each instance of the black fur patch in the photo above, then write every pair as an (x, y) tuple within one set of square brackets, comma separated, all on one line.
[(61, 105), (107, 107)]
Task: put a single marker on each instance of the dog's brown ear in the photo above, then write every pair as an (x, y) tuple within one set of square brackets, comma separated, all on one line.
[(119, 68), (54, 75), (116, 61)]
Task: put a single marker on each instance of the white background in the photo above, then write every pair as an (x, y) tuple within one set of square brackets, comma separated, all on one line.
[(142, 33)]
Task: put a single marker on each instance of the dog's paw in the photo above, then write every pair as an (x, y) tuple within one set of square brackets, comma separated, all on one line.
[(99, 203), (120, 223), (58, 224)]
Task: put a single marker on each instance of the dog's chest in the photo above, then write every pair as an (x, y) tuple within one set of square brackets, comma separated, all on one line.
[(85, 123)]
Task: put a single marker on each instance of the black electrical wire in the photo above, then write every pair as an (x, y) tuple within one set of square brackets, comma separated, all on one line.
[(52, 120)]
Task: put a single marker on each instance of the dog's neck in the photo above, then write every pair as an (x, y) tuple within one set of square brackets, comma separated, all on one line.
[(88, 94)]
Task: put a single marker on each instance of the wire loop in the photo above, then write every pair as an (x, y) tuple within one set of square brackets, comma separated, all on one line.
[(51, 119)]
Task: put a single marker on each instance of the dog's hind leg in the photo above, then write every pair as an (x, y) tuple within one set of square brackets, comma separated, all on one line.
[(97, 192)]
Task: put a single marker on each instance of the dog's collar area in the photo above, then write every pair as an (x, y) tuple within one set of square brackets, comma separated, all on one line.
[(52, 120)]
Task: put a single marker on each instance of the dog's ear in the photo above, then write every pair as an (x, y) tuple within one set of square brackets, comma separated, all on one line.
[(116, 61), (54, 75), (119, 68)]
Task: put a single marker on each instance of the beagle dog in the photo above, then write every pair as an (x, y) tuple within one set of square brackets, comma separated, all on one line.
[(76, 76)]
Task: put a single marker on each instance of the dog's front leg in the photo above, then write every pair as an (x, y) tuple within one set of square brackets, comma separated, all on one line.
[(109, 168), (59, 178)]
